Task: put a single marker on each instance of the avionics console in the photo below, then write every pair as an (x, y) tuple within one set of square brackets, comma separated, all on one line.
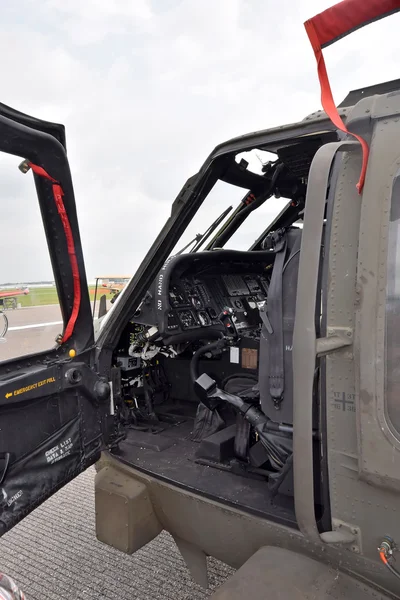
[(192, 290)]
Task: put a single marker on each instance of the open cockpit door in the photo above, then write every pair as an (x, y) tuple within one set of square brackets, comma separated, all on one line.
[(53, 406)]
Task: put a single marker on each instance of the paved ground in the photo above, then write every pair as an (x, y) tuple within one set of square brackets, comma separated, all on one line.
[(53, 553), (30, 330)]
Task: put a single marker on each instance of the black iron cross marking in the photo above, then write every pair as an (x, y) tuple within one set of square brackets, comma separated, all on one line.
[(343, 402)]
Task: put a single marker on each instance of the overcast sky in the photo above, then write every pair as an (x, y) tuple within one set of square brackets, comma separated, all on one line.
[(146, 89)]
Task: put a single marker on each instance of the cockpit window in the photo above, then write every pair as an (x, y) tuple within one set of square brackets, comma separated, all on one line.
[(222, 196), (30, 313), (256, 159), (255, 224), (219, 208)]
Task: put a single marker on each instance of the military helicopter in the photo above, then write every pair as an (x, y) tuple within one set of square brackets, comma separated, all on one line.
[(246, 401)]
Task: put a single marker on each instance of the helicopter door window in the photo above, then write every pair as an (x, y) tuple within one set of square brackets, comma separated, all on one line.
[(392, 361), (30, 315)]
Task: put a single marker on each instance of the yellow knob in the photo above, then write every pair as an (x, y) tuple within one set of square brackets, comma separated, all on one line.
[(72, 353)]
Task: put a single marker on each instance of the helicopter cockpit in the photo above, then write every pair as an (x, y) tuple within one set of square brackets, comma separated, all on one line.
[(204, 366)]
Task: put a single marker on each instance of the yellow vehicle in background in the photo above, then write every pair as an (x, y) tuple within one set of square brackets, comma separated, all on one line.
[(113, 284)]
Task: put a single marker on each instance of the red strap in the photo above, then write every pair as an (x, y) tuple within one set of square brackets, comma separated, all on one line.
[(326, 28), (58, 198), (347, 16)]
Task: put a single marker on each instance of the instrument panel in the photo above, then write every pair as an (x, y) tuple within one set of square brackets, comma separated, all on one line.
[(191, 291), (196, 302)]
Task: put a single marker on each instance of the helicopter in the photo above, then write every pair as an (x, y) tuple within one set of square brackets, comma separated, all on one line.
[(246, 401)]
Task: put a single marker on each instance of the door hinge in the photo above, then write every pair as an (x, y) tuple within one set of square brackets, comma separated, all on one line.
[(343, 533), (337, 339)]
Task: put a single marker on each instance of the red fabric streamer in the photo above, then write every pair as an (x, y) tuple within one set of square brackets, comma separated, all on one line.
[(325, 29), (58, 198)]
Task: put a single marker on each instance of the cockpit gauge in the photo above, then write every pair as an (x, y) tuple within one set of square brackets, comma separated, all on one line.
[(204, 318), (196, 301), (177, 296), (187, 319)]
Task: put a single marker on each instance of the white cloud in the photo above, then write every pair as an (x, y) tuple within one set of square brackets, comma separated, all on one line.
[(93, 21)]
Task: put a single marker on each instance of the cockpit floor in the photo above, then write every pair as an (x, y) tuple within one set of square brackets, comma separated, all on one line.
[(170, 455)]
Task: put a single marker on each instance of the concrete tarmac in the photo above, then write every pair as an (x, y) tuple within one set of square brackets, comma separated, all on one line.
[(32, 329), (53, 554)]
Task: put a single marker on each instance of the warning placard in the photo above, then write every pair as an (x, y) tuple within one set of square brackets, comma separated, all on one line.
[(28, 388)]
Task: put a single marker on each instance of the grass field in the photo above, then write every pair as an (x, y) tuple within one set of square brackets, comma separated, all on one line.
[(48, 295)]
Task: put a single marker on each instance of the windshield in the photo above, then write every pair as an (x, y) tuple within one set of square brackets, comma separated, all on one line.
[(256, 222), (222, 196), (225, 196)]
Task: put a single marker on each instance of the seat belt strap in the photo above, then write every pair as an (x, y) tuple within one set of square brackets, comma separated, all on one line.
[(275, 314)]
